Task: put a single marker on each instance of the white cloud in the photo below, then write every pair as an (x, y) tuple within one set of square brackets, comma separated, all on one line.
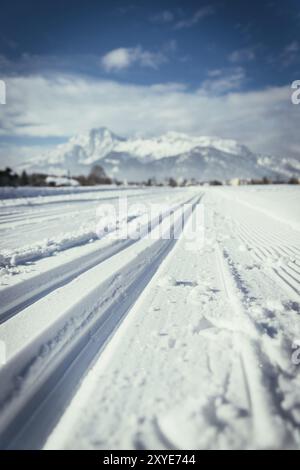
[(290, 53), (64, 105), (11, 155), (123, 58), (179, 20), (292, 47), (165, 16), (118, 59), (222, 81), (215, 72), (197, 16), (242, 55)]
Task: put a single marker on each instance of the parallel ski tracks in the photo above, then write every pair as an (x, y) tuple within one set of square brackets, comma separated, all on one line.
[(286, 270), (263, 403), (278, 249), (30, 410), (34, 289)]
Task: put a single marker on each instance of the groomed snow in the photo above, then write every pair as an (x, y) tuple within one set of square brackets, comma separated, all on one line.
[(153, 342)]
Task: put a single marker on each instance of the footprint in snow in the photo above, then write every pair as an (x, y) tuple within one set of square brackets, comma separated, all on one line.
[(203, 324)]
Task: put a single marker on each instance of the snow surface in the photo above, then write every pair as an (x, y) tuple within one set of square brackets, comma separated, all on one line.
[(61, 181), (151, 342)]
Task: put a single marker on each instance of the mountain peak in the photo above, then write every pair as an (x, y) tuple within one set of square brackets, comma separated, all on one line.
[(95, 134), (171, 154)]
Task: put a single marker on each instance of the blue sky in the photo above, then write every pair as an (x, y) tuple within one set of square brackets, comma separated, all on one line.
[(222, 67)]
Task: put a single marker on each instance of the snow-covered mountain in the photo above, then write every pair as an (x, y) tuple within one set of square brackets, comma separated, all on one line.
[(172, 154)]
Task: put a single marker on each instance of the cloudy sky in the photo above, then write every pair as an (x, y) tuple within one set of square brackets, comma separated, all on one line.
[(222, 67)]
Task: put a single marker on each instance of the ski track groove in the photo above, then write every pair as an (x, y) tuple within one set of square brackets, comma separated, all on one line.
[(289, 282), (262, 400), (29, 421), (93, 260), (274, 247), (264, 240), (46, 215)]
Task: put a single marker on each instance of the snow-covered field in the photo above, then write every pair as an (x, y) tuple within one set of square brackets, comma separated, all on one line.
[(115, 341)]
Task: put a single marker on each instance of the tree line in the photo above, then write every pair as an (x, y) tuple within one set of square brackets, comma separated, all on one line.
[(97, 176)]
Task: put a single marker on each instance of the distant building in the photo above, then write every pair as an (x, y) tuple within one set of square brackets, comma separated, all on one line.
[(234, 182)]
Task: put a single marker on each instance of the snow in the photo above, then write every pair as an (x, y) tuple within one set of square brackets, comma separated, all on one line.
[(175, 143), (13, 194), (60, 181), (172, 154), (150, 341)]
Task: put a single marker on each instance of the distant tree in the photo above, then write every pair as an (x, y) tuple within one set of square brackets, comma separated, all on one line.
[(98, 172), (38, 179), (24, 179), (8, 177), (294, 180), (265, 180), (82, 180), (96, 176), (172, 182), (151, 182)]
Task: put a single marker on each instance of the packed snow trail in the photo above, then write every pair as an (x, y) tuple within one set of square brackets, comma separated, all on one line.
[(162, 343), (52, 273), (204, 358), (87, 311)]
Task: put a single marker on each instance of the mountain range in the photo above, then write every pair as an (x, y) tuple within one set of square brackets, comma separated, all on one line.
[(173, 154)]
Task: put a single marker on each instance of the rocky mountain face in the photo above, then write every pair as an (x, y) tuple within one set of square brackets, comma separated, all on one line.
[(170, 155)]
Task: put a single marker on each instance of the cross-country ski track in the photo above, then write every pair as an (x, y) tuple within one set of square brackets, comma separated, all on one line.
[(151, 342)]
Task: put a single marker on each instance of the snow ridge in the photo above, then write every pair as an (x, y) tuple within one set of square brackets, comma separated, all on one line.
[(172, 154)]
